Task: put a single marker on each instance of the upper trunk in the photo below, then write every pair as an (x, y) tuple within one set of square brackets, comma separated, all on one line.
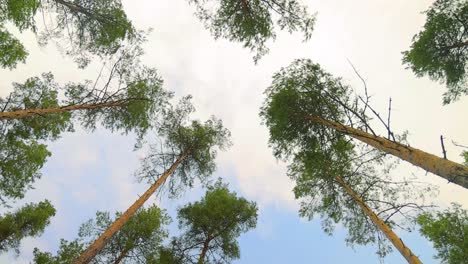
[(396, 241), (201, 260), (122, 256), (102, 240), (51, 110), (451, 171)]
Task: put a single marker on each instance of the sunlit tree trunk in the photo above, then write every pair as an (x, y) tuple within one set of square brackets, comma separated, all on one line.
[(102, 240), (449, 170), (52, 110), (396, 241)]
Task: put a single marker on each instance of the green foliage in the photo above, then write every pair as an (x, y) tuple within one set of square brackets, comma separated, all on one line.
[(67, 252), (465, 157), (218, 219), (139, 239), (138, 89), (178, 135), (21, 154), (317, 154), (297, 91), (448, 231), (11, 50), (30, 220), (440, 50), (250, 22), (82, 27)]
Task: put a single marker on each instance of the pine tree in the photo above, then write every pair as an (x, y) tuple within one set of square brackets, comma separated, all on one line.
[(129, 99), (313, 103), (339, 180), (210, 228), (191, 153), (139, 238)]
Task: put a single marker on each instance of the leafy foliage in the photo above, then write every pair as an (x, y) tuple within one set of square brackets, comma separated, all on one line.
[(139, 239), (67, 252), (137, 92), (142, 234), (317, 154), (30, 220), (178, 134), (440, 50), (213, 224), (21, 153), (82, 27), (250, 22), (448, 231), (465, 157), (11, 50)]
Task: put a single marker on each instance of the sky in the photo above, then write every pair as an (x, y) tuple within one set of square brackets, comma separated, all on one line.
[(95, 171)]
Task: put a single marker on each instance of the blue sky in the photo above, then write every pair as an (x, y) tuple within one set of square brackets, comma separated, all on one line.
[(94, 171)]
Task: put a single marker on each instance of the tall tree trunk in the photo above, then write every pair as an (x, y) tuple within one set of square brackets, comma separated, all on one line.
[(102, 240), (122, 256), (449, 170), (201, 260), (51, 110), (396, 241)]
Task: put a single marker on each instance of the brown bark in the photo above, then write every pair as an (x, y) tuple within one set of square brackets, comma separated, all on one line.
[(122, 256), (449, 170), (52, 110), (201, 260), (102, 240), (396, 241)]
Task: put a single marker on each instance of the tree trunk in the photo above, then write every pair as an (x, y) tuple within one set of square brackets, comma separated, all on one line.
[(396, 241), (102, 240), (51, 110), (201, 260), (122, 256), (449, 170)]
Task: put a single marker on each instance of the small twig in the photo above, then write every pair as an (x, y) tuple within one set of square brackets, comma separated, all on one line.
[(443, 147), (388, 122), (459, 145)]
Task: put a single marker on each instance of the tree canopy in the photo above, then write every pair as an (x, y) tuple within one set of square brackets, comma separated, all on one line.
[(440, 50), (448, 231), (252, 22), (318, 154), (134, 243), (178, 134), (81, 28), (128, 98), (210, 227), (28, 221)]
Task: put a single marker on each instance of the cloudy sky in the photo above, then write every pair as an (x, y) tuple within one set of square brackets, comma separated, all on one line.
[(94, 171)]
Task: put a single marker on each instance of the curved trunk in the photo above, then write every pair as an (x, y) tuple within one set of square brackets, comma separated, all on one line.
[(449, 170), (52, 110), (396, 241), (102, 240)]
